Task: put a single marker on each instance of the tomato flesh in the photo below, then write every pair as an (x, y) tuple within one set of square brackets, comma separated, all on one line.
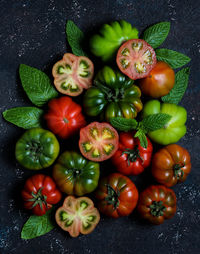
[(72, 74), (136, 58), (98, 141)]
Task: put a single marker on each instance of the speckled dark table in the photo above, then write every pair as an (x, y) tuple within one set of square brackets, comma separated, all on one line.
[(33, 32)]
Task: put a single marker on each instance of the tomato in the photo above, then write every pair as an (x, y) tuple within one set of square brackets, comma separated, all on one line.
[(110, 37), (75, 175), (174, 129), (114, 95), (136, 58), (157, 203), (171, 165), (131, 158), (77, 215), (117, 195), (72, 74), (64, 117), (40, 193), (37, 149), (98, 141), (159, 82)]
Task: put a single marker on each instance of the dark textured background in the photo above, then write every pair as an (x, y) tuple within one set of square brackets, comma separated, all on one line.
[(33, 32)]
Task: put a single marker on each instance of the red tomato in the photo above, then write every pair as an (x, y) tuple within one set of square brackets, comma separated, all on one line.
[(72, 74), (159, 82), (136, 58), (40, 193), (98, 141), (117, 195), (131, 158), (64, 117)]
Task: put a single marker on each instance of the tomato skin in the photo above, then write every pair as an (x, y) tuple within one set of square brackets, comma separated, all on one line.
[(40, 193), (124, 202), (110, 37), (141, 156), (159, 82), (64, 117), (175, 129), (157, 203), (171, 165)]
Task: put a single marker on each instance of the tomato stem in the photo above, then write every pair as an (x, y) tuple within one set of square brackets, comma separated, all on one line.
[(157, 208), (132, 154), (112, 197), (38, 198), (178, 172)]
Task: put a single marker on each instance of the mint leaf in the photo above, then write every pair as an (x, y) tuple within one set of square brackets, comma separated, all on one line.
[(154, 122), (173, 58), (180, 86), (24, 117), (37, 85), (123, 124), (156, 34), (37, 225), (75, 38), (142, 137)]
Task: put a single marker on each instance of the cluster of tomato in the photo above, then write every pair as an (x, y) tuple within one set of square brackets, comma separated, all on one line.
[(112, 94)]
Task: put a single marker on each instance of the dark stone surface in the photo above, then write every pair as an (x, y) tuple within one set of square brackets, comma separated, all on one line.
[(33, 32)]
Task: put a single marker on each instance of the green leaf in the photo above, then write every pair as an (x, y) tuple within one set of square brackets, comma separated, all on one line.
[(123, 124), (142, 137), (37, 225), (37, 85), (24, 117), (75, 38), (156, 34), (180, 86), (154, 122), (173, 58)]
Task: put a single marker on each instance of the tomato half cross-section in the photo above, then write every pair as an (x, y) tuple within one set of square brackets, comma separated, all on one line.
[(131, 158), (64, 117), (77, 215), (40, 193), (117, 195), (136, 58), (171, 165), (157, 203), (72, 74), (98, 141)]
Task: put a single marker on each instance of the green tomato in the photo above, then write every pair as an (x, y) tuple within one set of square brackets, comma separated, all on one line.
[(37, 149), (75, 175), (114, 95), (174, 129), (110, 37)]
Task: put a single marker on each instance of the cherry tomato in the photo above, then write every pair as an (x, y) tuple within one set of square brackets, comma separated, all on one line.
[(117, 195), (64, 117), (98, 141), (159, 82), (131, 158), (136, 58), (72, 74), (171, 165), (40, 193), (157, 203)]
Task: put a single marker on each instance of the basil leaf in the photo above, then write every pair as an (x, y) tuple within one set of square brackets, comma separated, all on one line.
[(173, 58), (156, 34), (180, 86), (155, 122), (37, 85), (75, 38), (37, 225), (24, 117), (142, 137), (123, 124)]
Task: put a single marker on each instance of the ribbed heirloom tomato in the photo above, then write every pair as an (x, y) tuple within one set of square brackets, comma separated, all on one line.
[(131, 158), (64, 117)]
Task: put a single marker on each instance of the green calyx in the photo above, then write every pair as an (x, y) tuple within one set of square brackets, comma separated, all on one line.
[(178, 172), (157, 208), (132, 154), (35, 149), (38, 199), (112, 197)]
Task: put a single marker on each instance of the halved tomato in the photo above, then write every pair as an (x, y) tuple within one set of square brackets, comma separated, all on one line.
[(136, 58), (72, 74), (98, 141)]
